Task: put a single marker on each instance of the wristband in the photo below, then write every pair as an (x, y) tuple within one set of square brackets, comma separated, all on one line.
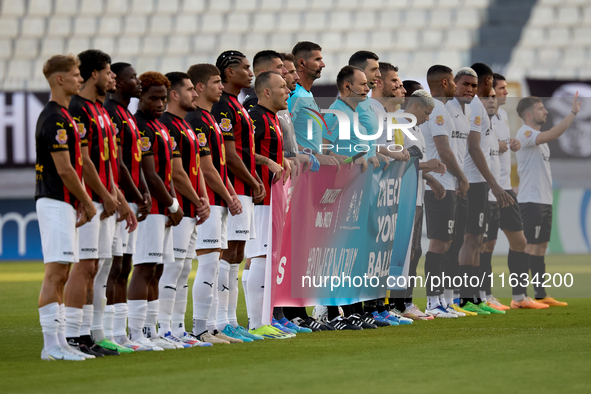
[(175, 206), (575, 113)]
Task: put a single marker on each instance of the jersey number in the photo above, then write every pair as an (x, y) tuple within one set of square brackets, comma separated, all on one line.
[(538, 229)]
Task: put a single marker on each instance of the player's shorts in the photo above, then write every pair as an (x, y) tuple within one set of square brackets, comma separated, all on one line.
[(262, 221), (117, 248), (59, 235), (511, 215), (181, 237), (128, 240), (537, 222), (154, 241), (417, 231), (440, 215), (241, 227), (461, 219), (477, 208), (213, 233), (492, 225), (96, 236)]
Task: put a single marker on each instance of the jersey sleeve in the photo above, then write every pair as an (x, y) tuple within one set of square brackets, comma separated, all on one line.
[(83, 122), (226, 118), (250, 102), (55, 133), (528, 138), (176, 140), (147, 138), (475, 118), (438, 124), (259, 125), (202, 131)]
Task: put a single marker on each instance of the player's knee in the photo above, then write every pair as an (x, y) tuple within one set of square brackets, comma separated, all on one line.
[(238, 258), (56, 278), (489, 247)]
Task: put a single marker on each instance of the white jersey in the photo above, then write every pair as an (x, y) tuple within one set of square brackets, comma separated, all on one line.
[(459, 135), (439, 124), (480, 123), (380, 112), (500, 124), (533, 167), (420, 143), (494, 164)]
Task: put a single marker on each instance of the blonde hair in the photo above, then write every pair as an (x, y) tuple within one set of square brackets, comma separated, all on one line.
[(59, 63)]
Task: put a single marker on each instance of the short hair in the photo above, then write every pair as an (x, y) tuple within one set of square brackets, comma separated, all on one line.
[(438, 71), (228, 59), (525, 104), (118, 67), (153, 78), (411, 86), (482, 70), (360, 58), (59, 64), (262, 81), (303, 49), (92, 60), (465, 71), (497, 78), (385, 68), (289, 57), (422, 97), (200, 73), (346, 74), (176, 79), (263, 57)]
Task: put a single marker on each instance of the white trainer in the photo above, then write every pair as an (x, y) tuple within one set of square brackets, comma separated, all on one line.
[(164, 343), (60, 353), (458, 313), (77, 352), (440, 313), (147, 345), (209, 337)]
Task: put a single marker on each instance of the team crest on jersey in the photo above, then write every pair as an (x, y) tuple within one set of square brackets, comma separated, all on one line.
[(439, 120), (477, 121), (202, 139), (528, 133), (225, 124), (145, 144), (173, 142), (81, 130), (62, 136)]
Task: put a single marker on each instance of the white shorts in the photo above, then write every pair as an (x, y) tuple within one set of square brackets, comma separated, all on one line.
[(117, 248), (154, 241), (181, 237), (262, 221), (213, 233), (241, 227), (128, 240), (96, 236), (59, 235)]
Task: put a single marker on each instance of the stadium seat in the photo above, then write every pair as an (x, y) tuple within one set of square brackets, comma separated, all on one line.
[(200, 58), (389, 19), (582, 36), (423, 4), (109, 26), (2, 69), (39, 8), (533, 37), (549, 58), (186, 24), (229, 41), (575, 57), (415, 18), (8, 28), (550, 2), (51, 46), (399, 59), (33, 27), (568, 16), (160, 25), (142, 7), (172, 63), (331, 42), (481, 4), (178, 45), (66, 7), (346, 5), (282, 42), (143, 64), (105, 44), (84, 26), (524, 57), (129, 46), (455, 4), (212, 23), (91, 8), (558, 37), (365, 20), (135, 25), (431, 38), (289, 21), (59, 27), (407, 39), (468, 17), (193, 6), (219, 6), (542, 16), (5, 49), (271, 5), (356, 41), (167, 7), (423, 59), (13, 7), (238, 22), (381, 39), (587, 16), (295, 5), (305, 36), (323, 5), (77, 45), (153, 46), (451, 58), (442, 19), (263, 23), (204, 43), (339, 21), (255, 41), (18, 69), (246, 5), (117, 7), (458, 38), (374, 4), (314, 21)]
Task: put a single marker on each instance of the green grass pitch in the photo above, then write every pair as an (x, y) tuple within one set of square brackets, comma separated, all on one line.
[(521, 352)]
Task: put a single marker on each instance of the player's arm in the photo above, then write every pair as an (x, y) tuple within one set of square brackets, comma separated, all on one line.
[(449, 159), (183, 183), (154, 182), (235, 207), (213, 179), (560, 128), (236, 165), (91, 178), (433, 165), (435, 185), (203, 211), (129, 217), (145, 207), (126, 181)]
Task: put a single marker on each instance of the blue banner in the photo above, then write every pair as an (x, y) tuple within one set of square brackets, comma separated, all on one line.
[(19, 231)]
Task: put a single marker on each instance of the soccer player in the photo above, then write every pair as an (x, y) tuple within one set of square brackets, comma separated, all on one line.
[(190, 186), (466, 81), (212, 234), (272, 92), (440, 212), (96, 236), (62, 203), (535, 188), (133, 186), (481, 179), (267, 60), (154, 238)]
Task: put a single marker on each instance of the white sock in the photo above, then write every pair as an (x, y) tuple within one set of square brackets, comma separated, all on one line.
[(120, 320), (442, 301), (87, 313), (61, 331), (245, 275), (49, 319), (73, 321), (151, 319), (108, 321), (223, 295), (489, 297), (211, 318), (456, 294), (99, 301), (482, 295), (432, 302), (180, 301), (256, 283), (518, 297), (449, 296), (203, 287), (137, 318), (233, 298), (167, 288)]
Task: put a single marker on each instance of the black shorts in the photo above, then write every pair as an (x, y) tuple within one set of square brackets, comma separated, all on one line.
[(417, 231), (477, 208), (511, 215), (494, 219), (440, 215), (461, 219), (537, 222)]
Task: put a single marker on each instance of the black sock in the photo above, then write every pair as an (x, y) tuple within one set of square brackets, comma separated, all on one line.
[(278, 313), (517, 266), (433, 267), (357, 308), (465, 290), (291, 312), (537, 265), (476, 271), (333, 311), (370, 306), (486, 267), (380, 307)]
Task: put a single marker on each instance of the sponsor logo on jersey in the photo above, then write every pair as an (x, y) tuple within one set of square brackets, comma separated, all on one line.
[(62, 136), (225, 124)]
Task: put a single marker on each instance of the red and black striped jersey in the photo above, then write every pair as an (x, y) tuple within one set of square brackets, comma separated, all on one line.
[(156, 142), (128, 137), (207, 129), (113, 131), (268, 143), (186, 145), (94, 134), (56, 132), (236, 126)]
